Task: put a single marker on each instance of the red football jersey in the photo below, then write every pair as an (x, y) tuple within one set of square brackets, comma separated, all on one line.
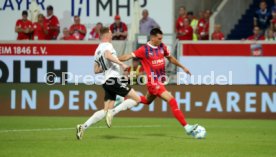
[(39, 31), (253, 37), (52, 22), (70, 37), (153, 61), (24, 25), (188, 33), (274, 21), (179, 24), (94, 34), (217, 36), (203, 29), (121, 28), (76, 33)]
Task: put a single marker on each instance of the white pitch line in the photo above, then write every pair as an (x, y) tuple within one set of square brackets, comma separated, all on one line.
[(62, 129)]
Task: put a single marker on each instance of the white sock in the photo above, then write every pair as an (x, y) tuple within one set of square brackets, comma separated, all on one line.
[(127, 104), (96, 117)]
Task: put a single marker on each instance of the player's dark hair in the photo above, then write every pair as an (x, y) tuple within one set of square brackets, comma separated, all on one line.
[(104, 30), (25, 12), (50, 8), (156, 31)]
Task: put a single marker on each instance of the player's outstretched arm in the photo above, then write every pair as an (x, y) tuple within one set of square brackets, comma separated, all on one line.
[(97, 68), (177, 63), (126, 57), (109, 56)]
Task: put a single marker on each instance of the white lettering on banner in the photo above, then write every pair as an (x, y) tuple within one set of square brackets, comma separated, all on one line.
[(164, 106), (73, 97), (28, 99), (13, 99), (186, 101), (89, 100), (23, 50), (232, 102), (214, 103), (249, 101), (59, 104), (268, 102), (5, 50)]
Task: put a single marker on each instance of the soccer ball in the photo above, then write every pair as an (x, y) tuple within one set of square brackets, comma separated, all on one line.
[(200, 132)]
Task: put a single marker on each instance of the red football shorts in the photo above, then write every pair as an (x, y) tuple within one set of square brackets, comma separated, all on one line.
[(156, 88)]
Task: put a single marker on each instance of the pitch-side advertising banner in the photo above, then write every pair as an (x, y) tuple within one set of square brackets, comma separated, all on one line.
[(237, 62), (90, 11), (255, 102), (38, 62)]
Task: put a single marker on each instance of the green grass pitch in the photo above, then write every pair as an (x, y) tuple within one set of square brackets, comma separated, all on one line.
[(135, 137)]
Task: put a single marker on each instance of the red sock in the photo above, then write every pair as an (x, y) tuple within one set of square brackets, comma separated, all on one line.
[(177, 113), (144, 100)]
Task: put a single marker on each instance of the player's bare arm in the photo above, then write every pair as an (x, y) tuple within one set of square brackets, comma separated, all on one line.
[(109, 56), (174, 61), (126, 57)]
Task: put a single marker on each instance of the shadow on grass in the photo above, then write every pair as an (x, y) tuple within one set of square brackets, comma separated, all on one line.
[(112, 137), (168, 136)]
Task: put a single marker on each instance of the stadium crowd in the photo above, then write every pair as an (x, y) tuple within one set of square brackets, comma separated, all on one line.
[(187, 26)]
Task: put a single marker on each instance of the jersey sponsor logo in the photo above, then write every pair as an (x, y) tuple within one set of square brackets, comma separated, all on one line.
[(158, 62)]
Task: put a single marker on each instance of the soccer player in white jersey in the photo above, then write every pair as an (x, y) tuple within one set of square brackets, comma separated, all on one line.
[(107, 62)]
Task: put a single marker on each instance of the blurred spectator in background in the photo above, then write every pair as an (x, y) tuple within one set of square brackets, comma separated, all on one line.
[(147, 23), (186, 32), (53, 24), (95, 32), (23, 27), (193, 23), (40, 28), (217, 35), (274, 6), (182, 15), (200, 15), (270, 36), (135, 70), (273, 21), (78, 30), (262, 17), (203, 26), (257, 35), (118, 29), (66, 35)]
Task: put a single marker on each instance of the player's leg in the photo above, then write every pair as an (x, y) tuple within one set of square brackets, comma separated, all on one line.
[(148, 99), (132, 100), (176, 111), (97, 116)]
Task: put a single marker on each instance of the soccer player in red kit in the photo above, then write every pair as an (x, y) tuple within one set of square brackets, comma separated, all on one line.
[(152, 56), (24, 27), (53, 24)]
